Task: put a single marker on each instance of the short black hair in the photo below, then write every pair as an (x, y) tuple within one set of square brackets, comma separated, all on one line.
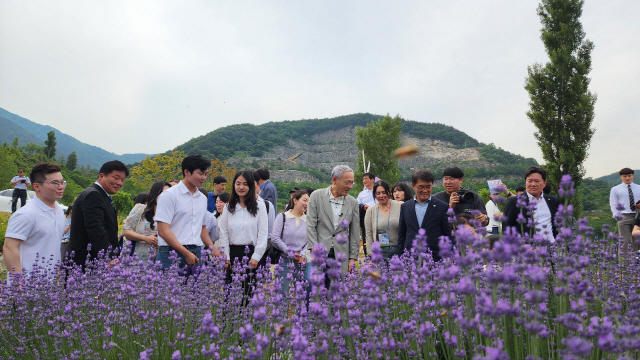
[(263, 174), (224, 197), (453, 171), (294, 189), (203, 191), (463, 219), (369, 175), (520, 188), (141, 198), (113, 165), (309, 190), (69, 210), (536, 170), (424, 175), (193, 162), (219, 180), (39, 172), (626, 171), (547, 189), (404, 188)]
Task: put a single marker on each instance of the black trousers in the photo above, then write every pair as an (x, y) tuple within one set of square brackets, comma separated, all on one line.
[(327, 279), (236, 253), (18, 193)]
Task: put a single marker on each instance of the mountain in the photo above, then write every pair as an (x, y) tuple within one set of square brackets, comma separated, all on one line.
[(614, 179), (11, 130), (320, 144), (28, 131)]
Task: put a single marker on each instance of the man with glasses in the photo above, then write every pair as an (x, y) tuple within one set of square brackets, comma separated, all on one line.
[(423, 212), (94, 220), (326, 211), (20, 184), (34, 232)]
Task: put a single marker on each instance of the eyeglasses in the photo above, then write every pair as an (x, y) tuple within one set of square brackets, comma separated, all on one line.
[(55, 183), (348, 183), (424, 187)]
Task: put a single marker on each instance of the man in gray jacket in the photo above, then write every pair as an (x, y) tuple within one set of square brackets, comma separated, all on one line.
[(327, 209)]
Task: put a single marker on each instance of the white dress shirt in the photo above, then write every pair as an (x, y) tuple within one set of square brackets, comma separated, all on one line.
[(40, 228), (20, 185), (185, 213), (242, 228), (212, 227), (366, 197), (542, 217), (620, 195)]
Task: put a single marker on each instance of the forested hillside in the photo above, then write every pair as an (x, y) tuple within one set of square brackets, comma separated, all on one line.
[(255, 140), (32, 132)]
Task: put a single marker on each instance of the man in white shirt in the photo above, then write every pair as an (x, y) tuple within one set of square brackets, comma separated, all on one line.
[(365, 200), (20, 184), (181, 215), (627, 196), (34, 232)]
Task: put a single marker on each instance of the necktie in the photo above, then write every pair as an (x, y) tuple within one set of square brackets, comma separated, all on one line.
[(631, 201)]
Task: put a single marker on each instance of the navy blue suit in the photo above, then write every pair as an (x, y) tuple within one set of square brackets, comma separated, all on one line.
[(435, 223)]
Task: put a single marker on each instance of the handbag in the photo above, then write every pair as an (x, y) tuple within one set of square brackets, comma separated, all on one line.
[(273, 252)]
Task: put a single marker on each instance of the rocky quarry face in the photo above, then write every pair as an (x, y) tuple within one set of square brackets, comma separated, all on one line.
[(338, 147)]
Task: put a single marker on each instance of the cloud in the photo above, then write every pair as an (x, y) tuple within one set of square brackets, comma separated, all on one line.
[(148, 76)]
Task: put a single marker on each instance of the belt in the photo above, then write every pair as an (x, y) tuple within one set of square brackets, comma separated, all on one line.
[(186, 246)]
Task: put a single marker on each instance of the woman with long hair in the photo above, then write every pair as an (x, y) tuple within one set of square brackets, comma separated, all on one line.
[(382, 220), (243, 223), (221, 200), (139, 227), (289, 235), (401, 192)]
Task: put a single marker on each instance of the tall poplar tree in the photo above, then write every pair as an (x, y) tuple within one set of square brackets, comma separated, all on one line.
[(379, 140), (562, 107), (50, 145)]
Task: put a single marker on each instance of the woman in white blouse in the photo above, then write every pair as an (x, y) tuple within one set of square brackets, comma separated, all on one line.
[(243, 223)]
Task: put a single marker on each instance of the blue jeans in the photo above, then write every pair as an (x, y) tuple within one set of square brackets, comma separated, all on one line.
[(284, 266), (164, 252)]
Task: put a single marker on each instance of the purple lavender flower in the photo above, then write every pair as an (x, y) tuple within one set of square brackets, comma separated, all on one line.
[(577, 346)]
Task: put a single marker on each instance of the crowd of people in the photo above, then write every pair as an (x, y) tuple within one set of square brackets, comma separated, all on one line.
[(175, 221)]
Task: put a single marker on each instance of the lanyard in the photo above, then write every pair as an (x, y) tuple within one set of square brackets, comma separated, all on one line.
[(388, 217)]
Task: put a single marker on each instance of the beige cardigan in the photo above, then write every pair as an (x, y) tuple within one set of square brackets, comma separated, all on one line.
[(371, 229)]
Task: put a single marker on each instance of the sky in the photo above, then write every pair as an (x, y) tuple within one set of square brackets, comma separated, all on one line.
[(146, 76)]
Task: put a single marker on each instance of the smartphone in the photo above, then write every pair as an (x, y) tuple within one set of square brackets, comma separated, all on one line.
[(23, 181)]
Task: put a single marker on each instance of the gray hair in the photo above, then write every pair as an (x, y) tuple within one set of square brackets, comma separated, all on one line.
[(339, 170)]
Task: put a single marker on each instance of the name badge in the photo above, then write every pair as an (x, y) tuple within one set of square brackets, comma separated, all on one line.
[(384, 239)]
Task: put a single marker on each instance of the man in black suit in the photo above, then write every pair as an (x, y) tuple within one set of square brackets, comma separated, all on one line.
[(423, 212), (94, 219), (535, 180)]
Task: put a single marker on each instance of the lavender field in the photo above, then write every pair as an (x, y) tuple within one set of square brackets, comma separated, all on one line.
[(523, 299)]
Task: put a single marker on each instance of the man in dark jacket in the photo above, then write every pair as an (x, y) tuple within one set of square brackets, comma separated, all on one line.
[(546, 206), (423, 212), (94, 220)]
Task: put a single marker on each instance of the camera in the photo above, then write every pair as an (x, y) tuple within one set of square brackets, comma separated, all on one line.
[(466, 196)]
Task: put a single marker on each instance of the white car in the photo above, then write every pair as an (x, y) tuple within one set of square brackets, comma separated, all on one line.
[(5, 199), (6, 196)]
